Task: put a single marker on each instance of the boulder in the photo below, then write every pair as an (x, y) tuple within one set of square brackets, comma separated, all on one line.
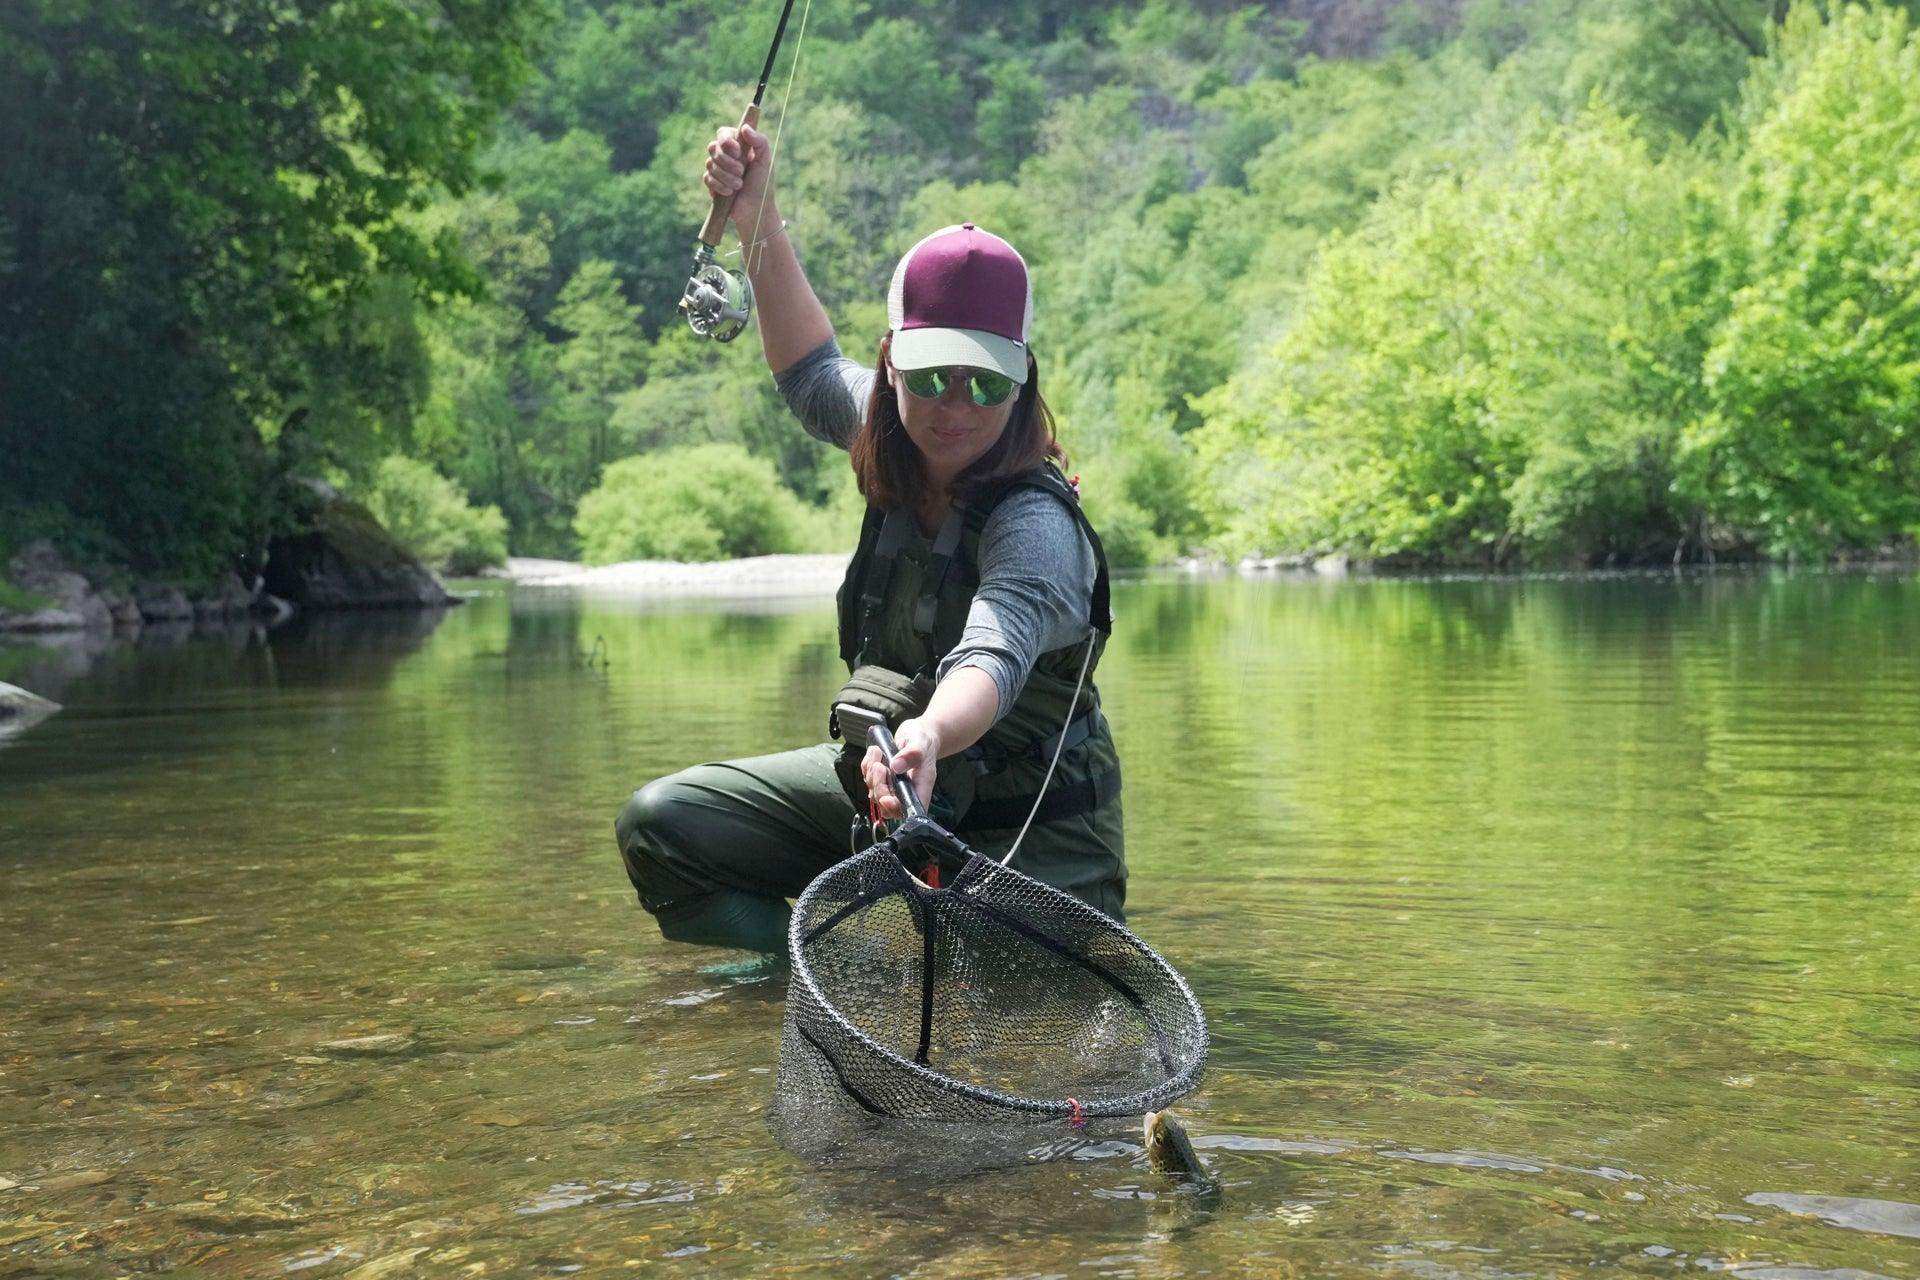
[(122, 608), (272, 608), (158, 602), (343, 559), (68, 602), (230, 599), (19, 709)]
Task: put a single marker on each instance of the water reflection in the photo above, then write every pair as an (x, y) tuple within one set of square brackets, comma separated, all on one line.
[(1545, 926)]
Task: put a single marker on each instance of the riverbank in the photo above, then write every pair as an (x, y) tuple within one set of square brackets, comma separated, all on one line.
[(342, 558)]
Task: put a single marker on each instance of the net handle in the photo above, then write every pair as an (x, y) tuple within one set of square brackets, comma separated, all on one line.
[(882, 737)]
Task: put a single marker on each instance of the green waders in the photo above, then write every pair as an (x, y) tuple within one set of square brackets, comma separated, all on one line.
[(715, 851)]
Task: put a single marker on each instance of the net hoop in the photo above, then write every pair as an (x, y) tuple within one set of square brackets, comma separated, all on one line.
[(884, 863)]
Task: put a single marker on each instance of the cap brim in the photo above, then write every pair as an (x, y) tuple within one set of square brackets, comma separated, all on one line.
[(975, 348)]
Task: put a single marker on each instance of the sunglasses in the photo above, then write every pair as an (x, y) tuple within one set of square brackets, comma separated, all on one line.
[(985, 387)]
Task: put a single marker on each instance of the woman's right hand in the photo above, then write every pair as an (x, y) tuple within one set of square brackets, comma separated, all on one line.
[(739, 165)]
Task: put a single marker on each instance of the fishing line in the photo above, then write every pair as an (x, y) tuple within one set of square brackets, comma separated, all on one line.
[(747, 264), (1073, 705)]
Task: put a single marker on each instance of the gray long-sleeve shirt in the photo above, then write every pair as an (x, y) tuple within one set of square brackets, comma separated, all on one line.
[(1036, 567)]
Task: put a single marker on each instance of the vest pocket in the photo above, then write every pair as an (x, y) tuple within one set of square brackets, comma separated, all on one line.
[(895, 697)]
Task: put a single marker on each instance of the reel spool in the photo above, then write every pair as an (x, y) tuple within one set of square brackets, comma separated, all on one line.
[(718, 302)]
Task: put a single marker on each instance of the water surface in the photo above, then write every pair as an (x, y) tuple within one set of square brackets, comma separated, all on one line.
[(1547, 928)]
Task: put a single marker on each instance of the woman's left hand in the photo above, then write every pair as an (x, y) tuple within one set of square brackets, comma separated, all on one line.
[(916, 753)]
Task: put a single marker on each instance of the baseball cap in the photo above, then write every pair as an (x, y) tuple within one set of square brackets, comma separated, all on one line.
[(961, 297)]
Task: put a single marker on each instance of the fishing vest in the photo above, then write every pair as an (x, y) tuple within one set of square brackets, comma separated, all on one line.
[(902, 607)]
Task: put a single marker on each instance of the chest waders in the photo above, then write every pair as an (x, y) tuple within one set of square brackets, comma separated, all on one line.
[(902, 608)]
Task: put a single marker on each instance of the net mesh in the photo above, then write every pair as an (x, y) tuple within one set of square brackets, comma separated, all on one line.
[(996, 999)]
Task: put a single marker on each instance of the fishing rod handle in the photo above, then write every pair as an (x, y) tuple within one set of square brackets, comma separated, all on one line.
[(715, 227), (882, 737)]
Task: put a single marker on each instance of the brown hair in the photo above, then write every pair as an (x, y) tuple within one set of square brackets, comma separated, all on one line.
[(888, 465)]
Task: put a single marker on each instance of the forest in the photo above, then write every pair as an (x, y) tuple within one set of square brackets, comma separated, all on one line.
[(1488, 283)]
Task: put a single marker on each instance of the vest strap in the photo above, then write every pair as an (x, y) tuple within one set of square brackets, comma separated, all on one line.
[(894, 529), (945, 544), (988, 759), (1068, 801)]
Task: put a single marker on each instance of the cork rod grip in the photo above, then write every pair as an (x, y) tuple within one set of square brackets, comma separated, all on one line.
[(715, 228)]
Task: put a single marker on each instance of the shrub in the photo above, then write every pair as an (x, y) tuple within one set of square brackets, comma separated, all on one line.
[(431, 516), (700, 502)]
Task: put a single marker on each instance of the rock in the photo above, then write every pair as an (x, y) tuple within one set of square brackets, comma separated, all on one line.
[(272, 608), (384, 1045), (20, 709), (161, 603), (122, 608), (390, 1265), (344, 559), (1333, 566), (67, 600), (228, 600)]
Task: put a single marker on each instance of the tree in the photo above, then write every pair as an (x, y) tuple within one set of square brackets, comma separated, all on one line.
[(194, 195), (1812, 432), (600, 358)]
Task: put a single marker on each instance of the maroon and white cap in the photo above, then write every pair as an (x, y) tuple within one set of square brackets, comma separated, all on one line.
[(961, 297)]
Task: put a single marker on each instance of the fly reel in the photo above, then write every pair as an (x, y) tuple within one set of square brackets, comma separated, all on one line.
[(718, 302)]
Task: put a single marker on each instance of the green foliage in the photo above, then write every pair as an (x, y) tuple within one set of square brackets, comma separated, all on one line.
[(19, 600), (206, 213), (701, 502), (432, 518), (1478, 369), (1481, 281), (1811, 437)]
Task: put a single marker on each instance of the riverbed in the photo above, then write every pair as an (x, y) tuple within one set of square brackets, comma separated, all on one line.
[(1547, 927)]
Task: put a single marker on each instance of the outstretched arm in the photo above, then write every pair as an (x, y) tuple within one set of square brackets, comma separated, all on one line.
[(792, 321), (963, 707)]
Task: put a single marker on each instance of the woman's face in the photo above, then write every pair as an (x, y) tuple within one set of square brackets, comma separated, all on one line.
[(951, 432)]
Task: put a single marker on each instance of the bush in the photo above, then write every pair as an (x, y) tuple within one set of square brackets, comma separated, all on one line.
[(700, 502), (431, 516)]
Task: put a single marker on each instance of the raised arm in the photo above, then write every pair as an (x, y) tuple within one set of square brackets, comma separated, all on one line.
[(792, 321)]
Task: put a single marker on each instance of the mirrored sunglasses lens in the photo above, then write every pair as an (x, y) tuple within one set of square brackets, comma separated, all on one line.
[(989, 389), (928, 384)]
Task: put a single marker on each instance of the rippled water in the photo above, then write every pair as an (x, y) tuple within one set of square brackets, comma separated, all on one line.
[(1546, 927)]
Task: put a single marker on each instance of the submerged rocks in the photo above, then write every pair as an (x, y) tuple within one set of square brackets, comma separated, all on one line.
[(345, 559), (384, 1044)]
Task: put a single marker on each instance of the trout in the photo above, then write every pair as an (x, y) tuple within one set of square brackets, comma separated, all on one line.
[(1171, 1152)]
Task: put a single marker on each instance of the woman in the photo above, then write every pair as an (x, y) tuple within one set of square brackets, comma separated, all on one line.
[(973, 612)]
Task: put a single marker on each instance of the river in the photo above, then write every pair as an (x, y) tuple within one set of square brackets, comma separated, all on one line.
[(1547, 927)]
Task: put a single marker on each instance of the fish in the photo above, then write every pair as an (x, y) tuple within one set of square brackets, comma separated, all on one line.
[(1170, 1151)]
